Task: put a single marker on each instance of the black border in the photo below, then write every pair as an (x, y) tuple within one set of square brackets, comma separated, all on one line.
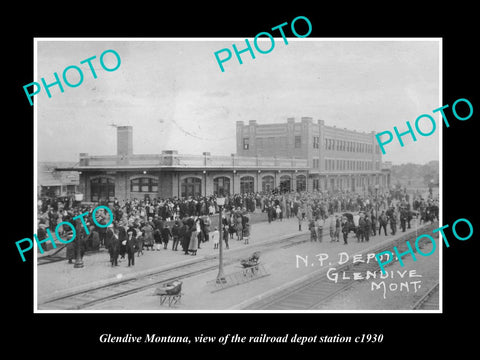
[(68, 332)]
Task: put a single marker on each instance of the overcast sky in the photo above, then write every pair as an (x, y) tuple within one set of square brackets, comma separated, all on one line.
[(175, 96)]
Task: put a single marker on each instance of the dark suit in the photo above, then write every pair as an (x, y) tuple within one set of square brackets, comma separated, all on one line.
[(122, 236), (188, 224), (93, 240), (166, 235), (131, 251), (79, 244), (113, 244), (130, 247), (176, 234)]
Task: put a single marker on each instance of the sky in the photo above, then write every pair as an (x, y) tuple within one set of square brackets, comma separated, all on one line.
[(175, 96)]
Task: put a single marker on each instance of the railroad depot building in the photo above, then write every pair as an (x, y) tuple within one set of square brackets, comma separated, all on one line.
[(292, 156)]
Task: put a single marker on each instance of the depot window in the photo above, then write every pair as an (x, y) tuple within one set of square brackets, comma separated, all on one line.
[(102, 189), (144, 185)]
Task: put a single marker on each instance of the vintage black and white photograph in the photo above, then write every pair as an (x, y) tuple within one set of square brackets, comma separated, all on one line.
[(209, 175)]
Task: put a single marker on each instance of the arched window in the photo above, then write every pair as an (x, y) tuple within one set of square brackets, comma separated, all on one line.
[(301, 183), (191, 186), (102, 188), (247, 184), (268, 183), (144, 185), (221, 186)]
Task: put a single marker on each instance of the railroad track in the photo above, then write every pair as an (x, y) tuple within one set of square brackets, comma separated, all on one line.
[(429, 301), (311, 293), (97, 294)]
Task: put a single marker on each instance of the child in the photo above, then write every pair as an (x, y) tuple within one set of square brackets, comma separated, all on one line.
[(214, 235), (166, 235), (130, 247), (140, 241), (246, 232), (279, 213)]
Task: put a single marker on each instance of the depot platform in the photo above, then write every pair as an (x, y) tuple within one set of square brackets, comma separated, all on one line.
[(281, 263)]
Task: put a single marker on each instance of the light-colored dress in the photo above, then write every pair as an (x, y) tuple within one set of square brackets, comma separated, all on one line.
[(193, 241)]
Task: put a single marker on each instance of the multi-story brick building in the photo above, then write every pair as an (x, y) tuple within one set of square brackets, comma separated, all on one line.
[(337, 158), (292, 156)]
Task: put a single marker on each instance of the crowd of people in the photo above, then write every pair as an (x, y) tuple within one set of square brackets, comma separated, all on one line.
[(151, 225), (345, 212), (139, 226)]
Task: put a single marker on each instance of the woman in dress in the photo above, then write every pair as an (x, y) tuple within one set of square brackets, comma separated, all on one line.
[(193, 246), (239, 226), (246, 230)]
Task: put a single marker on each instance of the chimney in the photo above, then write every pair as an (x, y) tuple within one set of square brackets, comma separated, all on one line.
[(124, 140)]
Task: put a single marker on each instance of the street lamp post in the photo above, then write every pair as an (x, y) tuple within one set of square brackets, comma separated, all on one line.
[(78, 250), (220, 276)]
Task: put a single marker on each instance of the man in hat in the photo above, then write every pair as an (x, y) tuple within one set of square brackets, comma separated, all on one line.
[(319, 228), (367, 227), (166, 235), (332, 225), (130, 247), (403, 219), (393, 221), (113, 244), (93, 239), (338, 227), (374, 223), (345, 230), (177, 234), (383, 223), (313, 231), (187, 233), (140, 241), (361, 228), (122, 237)]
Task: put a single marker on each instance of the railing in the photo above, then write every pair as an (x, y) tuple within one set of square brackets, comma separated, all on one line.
[(192, 161)]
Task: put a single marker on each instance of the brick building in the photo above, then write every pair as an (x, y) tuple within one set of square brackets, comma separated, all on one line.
[(127, 175), (292, 156), (337, 158)]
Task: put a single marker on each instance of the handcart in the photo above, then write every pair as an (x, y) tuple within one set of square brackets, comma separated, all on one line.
[(250, 265), (170, 293)]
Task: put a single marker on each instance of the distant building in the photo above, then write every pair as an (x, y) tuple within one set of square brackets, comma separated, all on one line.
[(337, 158), (292, 156), (53, 183)]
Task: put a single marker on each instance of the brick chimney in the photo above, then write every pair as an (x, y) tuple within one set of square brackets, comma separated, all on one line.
[(124, 140)]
